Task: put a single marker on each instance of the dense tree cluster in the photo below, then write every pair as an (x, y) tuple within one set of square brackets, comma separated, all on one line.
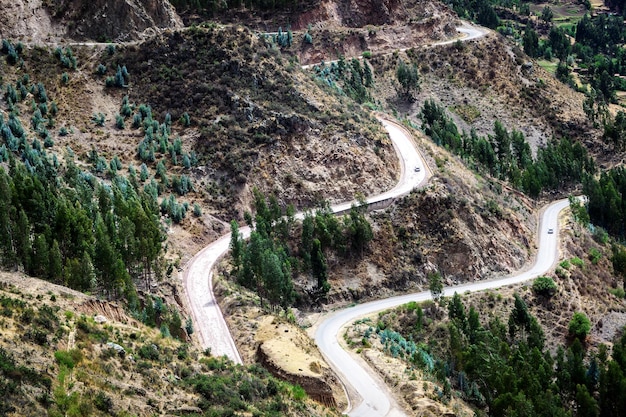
[(75, 231), (408, 77), (507, 155), (480, 11), (506, 370), (267, 262), (606, 204), (11, 51)]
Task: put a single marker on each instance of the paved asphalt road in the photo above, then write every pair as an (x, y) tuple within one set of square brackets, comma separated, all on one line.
[(208, 320), (374, 395)]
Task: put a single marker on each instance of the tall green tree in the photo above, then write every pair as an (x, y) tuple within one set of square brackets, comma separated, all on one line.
[(579, 326), (319, 267), (408, 78), (236, 245), (435, 285)]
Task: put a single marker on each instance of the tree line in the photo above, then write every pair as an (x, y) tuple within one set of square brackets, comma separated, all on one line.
[(505, 369), (507, 155), (69, 228), (606, 205), (275, 252)]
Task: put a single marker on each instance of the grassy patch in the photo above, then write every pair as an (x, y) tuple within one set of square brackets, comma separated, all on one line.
[(467, 112), (548, 65)]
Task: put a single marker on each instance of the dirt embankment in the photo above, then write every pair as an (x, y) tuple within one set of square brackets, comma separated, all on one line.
[(279, 345), (348, 28)]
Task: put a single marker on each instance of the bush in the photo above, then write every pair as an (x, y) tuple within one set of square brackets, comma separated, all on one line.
[(594, 255), (103, 402), (298, 393), (98, 119), (579, 326), (576, 261), (102, 69), (69, 359), (544, 286), (149, 351), (185, 119), (119, 122), (197, 210)]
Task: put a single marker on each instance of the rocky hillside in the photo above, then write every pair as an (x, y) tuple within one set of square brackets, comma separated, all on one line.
[(487, 80), (258, 121), (101, 20), (64, 353)]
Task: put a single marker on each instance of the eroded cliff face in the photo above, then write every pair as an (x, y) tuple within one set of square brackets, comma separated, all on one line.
[(95, 20), (28, 20)]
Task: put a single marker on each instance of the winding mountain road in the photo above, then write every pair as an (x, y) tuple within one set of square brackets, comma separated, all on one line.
[(207, 316), (374, 397), (209, 323)]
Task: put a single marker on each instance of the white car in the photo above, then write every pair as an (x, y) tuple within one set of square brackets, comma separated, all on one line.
[(417, 169)]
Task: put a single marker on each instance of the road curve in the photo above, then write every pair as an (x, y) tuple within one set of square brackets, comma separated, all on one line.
[(208, 320), (374, 399), (209, 323)]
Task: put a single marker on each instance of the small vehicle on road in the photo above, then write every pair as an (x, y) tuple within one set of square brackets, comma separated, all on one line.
[(417, 169), (550, 231)]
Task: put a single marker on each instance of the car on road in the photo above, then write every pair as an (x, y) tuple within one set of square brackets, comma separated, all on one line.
[(550, 231), (417, 169)]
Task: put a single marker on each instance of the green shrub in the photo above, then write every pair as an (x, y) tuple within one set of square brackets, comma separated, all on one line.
[(544, 286), (576, 261), (579, 326), (565, 264), (618, 292), (185, 119), (103, 402), (197, 210), (594, 255), (298, 393), (119, 122), (69, 359), (98, 119), (149, 351)]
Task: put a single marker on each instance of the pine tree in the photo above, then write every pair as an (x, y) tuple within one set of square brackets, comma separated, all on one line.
[(319, 267), (40, 259), (22, 240), (236, 246), (7, 251), (56, 263)]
